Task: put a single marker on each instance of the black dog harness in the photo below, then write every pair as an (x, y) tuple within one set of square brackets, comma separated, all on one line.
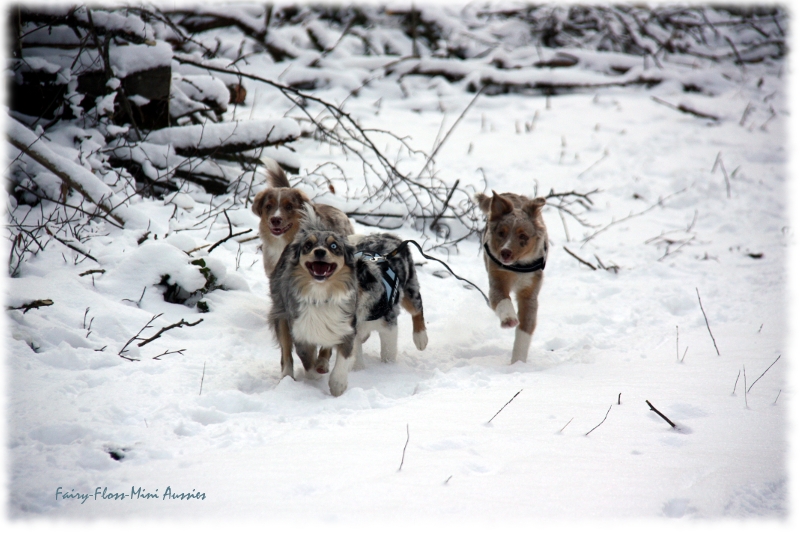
[(516, 267), (390, 281)]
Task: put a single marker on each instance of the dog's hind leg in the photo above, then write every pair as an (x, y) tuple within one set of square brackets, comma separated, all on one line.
[(528, 304), (388, 333), (414, 306), (344, 362), (285, 341)]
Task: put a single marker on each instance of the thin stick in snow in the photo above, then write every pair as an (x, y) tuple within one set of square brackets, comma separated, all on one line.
[(601, 422), (776, 397), (762, 374), (565, 425), (736, 383), (403, 458), (659, 413), (202, 378), (745, 387), (684, 354), (706, 318), (579, 259), (619, 399), (448, 479), (231, 234), (508, 402)]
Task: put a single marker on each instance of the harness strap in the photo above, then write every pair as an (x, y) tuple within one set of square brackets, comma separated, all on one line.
[(516, 267)]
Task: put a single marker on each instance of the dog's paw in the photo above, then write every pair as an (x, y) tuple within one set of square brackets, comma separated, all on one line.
[(505, 311), (420, 339), (338, 386), (321, 367)]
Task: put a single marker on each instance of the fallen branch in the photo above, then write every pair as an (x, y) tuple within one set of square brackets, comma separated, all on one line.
[(167, 352), (36, 304), (508, 402), (659, 413), (579, 259), (71, 174), (167, 328), (565, 425), (706, 318), (684, 109), (202, 378), (601, 422), (762, 374), (736, 382)]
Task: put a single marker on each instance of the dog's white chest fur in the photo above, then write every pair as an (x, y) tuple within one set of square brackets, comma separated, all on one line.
[(324, 322)]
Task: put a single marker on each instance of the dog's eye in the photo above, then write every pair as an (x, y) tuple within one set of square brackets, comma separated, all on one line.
[(307, 247), (269, 207), (502, 232), (523, 239), (334, 246), (288, 207)]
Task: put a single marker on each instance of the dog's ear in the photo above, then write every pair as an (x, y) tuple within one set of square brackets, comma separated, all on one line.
[(258, 202), (500, 207), (483, 202), (534, 207)]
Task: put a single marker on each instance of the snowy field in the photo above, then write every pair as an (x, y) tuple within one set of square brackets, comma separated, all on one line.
[(688, 208)]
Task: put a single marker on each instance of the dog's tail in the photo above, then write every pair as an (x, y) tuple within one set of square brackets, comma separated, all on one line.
[(310, 220), (276, 177)]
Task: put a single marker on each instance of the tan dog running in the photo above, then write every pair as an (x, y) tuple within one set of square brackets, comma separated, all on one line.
[(280, 208), (515, 252)]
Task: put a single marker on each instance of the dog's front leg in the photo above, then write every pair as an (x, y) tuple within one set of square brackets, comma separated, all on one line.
[(323, 361), (344, 362), (500, 299), (285, 340), (528, 304)]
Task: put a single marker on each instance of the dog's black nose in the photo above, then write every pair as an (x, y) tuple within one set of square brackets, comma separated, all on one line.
[(276, 221), (319, 253), (505, 254)]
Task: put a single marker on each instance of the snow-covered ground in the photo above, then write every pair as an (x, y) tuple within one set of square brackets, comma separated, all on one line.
[(217, 420)]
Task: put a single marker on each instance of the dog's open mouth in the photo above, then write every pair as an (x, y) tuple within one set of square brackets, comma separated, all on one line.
[(277, 231), (320, 270)]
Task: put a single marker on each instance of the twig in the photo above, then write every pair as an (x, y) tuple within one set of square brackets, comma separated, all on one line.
[(724, 173), (619, 399), (601, 422), (776, 397), (403, 458), (565, 425), (444, 207), (139, 302), (745, 387), (448, 479), (36, 304), (762, 374), (167, 352), (659, 413), (684, 354), (231, 234), (706, 318), (136, 337), (579, 259), (736, 382), (508, 402), (94, 271), (167, 328), (202, 378)]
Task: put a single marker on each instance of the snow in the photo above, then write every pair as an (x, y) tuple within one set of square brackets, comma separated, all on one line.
[(217, 419)]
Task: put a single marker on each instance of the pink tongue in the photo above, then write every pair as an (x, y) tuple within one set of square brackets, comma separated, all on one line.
[(319, 268)]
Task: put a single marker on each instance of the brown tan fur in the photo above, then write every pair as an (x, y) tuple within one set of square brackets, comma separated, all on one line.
[(515, 234), (279, 208)]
